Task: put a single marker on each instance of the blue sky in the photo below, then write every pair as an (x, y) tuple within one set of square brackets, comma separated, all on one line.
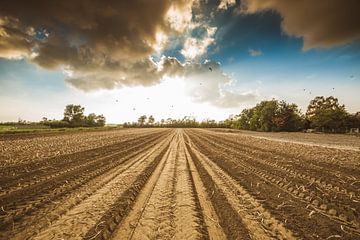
[(209, 61)]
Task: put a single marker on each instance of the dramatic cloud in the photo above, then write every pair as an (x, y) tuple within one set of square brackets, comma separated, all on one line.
[(104, 45), (322, 24), (195, 47), (225, 4), (255, 53)]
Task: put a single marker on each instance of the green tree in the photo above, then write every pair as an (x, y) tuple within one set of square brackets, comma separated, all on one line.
[(288, 117), (74, 114), (270, 116), (100, 120), (151, 120), (91, 119), (327, 114), (142, 119)]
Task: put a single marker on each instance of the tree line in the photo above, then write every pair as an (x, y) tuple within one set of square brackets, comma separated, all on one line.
[(185, 122), (74, 117), (323, 114)]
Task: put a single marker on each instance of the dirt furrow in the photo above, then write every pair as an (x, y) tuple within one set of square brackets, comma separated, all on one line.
[(257, 220), (55, 209), (210, 218), (22, 151), (325, 177), (283, 198), (76, 222), (311, 159), (56, 190), (167, 208), (303, 185), (21, 173), (54, 168)]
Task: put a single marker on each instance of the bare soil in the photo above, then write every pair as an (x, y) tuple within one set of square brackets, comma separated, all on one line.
[(177, 184)]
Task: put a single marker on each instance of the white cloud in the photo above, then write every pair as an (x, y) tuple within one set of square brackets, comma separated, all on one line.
[(197, 47), (225, 4)]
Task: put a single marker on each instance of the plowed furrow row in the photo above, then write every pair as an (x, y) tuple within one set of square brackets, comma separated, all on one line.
[(19, 176), (259, 223), (309, 168), (286, 200), (77, 221), (324, 201), (347, 170), (309, 188), (57, 189), (308, 171), (52, 211), (167, 208)]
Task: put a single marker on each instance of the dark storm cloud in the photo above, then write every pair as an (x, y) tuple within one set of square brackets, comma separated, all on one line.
[(88, 38), (125, 29), (321, 24)]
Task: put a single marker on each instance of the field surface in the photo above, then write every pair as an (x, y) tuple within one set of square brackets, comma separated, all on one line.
[(178, 184)]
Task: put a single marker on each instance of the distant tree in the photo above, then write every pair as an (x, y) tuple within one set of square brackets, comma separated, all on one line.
[(327, 114), (100, 120), (288, 117), (151, 120), (91, 119), (74, 114), (270, 116), (142, 119)]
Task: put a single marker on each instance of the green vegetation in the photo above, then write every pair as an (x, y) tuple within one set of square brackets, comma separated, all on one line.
[(186, 122), (323, 114), (74, 117), (270, 116)]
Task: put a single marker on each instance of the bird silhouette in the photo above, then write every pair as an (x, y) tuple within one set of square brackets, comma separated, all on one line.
[(210, 69)]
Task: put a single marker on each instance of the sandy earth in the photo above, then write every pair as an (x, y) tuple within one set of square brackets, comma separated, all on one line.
[(179, 184)]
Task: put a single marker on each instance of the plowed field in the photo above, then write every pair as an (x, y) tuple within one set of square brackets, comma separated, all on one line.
[(176, 184)]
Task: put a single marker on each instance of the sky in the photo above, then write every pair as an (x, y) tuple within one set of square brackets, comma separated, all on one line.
[(202, 58)]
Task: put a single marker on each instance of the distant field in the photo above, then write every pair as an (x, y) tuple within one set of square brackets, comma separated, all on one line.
[(14, 130), (5, 128), (177, 184)]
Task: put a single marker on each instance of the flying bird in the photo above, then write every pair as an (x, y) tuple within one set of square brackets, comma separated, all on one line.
[(210, 69), (352, 76), (304, 89)]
